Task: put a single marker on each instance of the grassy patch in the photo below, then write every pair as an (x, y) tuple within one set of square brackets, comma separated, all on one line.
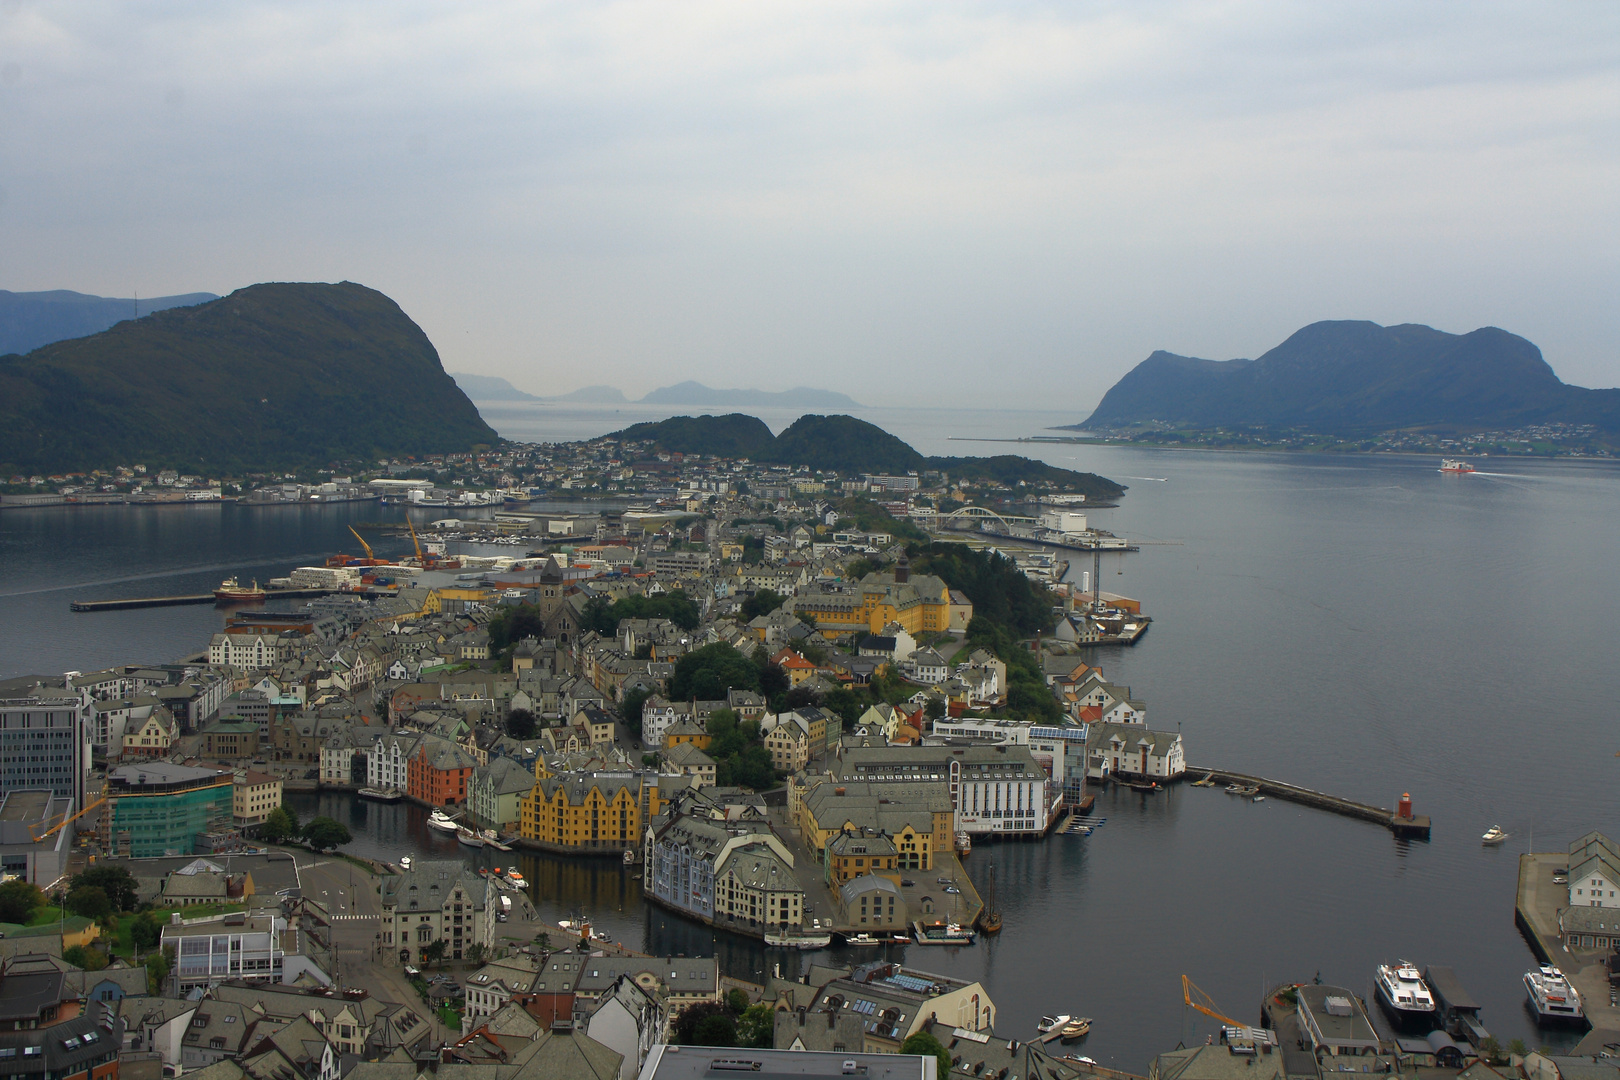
[(202, 911), (119, 942), (449, 1018), (45, 915)]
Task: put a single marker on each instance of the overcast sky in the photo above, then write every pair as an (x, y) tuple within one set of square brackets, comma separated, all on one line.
[(913, 203)]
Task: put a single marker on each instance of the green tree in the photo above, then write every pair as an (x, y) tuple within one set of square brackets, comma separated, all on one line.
[(716, 1030), (737, 1000), (19, 900), (475, 952), (146, 930), (510, 625), (433, 952), (115, 881), (85, 958), (935, 708), (520, 724), (760, 603), (279, 825), (924, 1043), (707, 673), (324, 834), (1517, 1047), (90, 901), (157, 970), (757, 1028), (630, 709)]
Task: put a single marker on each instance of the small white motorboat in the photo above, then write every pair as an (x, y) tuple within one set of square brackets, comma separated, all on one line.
[(1494, 835)]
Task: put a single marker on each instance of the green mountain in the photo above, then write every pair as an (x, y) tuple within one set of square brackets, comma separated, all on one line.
[(271, 376), (1349, 377), (31, 319), (848, 446)]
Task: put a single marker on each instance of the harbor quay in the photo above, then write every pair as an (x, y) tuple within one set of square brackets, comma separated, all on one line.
[(1540, 912), (1400, 821)]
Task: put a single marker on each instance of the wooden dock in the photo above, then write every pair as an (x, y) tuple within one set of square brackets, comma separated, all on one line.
[(1416, 827)]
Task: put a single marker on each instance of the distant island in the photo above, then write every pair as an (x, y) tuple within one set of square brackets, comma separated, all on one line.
[(489, 388), (1350, 384), (800, 397), (687, 394), (272, 376), (850, 447), (31, 319)]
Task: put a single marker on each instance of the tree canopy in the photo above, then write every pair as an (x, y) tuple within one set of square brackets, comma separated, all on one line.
[(116, 882), (19, 900), (707, 673), (603, 616), (324, 834)]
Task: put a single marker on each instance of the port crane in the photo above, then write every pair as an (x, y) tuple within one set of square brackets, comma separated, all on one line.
[(36, 836), (1205, 1004)]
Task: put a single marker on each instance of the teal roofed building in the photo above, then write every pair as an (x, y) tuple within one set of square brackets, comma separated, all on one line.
[(161, 809)]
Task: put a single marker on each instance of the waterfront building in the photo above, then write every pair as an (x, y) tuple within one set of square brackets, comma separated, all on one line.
[(1594, 872), (594, 811), (995, 790), (438, 772), (254, 795), (1335, 1024), (917, 817), (1131, 750), (436, 901), (983, 729), (495, 796), (686, 851), (1061, 751), (220, 947), (158, 808), (853, 852), (45, 744), (388, 761), (253, 652), (872, 902), (897, 1002)]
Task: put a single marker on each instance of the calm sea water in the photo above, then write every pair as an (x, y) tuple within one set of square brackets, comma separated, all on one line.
[(1361, 625)]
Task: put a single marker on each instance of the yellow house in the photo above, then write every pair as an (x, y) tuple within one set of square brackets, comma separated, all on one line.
[(454, 599), (686, 731), (918, 819)]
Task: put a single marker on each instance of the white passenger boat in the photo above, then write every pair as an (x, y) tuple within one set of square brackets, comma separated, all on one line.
[(1404, 994), (1551, 996), (804, 942), (1494, 835), (442, 821), (1052, 1023)]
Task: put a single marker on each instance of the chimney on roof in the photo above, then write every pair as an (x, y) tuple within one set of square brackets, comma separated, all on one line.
[(902, 569)]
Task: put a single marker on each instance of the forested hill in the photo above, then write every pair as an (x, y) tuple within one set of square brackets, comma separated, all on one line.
[(272, 376), (31, 319), (1342, 377), (849, 446)]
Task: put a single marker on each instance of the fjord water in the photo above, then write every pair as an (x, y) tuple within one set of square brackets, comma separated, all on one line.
[(1362, 625)]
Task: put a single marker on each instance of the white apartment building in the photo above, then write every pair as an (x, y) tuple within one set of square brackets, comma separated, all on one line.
[(388, 760)]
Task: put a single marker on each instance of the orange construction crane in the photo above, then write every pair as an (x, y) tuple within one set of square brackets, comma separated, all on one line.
[(1205, 1004), (64, 823), (414, 540)]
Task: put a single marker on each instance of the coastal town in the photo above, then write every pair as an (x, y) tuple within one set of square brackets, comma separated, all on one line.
[(789, 704)]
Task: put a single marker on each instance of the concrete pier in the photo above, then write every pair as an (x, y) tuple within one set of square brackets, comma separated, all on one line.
[(1416, 827), (1540, 901)]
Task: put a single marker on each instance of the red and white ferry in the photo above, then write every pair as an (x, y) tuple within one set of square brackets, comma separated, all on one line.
[(1452, 465)]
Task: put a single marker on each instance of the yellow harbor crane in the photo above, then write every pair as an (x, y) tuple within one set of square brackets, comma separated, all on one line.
[(1205, 1004)]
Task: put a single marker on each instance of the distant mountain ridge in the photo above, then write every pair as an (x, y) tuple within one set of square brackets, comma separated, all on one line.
[(272, 376), (489, 388), (695, 393), (31, 319), (848, 446), (1341, 377)]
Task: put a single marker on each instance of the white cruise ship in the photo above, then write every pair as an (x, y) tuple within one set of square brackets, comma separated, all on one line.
[(1554, 1000)]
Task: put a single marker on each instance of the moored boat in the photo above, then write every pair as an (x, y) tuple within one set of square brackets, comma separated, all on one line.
[(516, 878), (1404, 994), (405, 863), (442, 821), (388, 795), (231, 590), (943, 934), (1087, 803), (1052, 1023), (1493, 835), (468, 838), (491, 840), (1551, 996), (1076, 1029), (861, 940), (803, 942)]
